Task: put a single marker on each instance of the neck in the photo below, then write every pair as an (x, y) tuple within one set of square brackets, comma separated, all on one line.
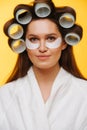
[(45, 79), (46, 75)]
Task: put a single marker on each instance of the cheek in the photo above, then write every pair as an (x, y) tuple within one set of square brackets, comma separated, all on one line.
[(31, 55), (57, 53)]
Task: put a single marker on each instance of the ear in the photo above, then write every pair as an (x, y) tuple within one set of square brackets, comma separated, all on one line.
[(64, 45)]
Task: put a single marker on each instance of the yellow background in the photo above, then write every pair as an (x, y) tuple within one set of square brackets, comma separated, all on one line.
[(8, 58)]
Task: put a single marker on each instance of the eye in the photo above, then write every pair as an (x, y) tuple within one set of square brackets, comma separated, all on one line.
[(51, 39), (34, 39)]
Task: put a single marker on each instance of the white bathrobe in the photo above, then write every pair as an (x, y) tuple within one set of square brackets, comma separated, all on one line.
[(22, 106)]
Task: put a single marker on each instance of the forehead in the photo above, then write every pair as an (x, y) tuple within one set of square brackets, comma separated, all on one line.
[(42, 26)]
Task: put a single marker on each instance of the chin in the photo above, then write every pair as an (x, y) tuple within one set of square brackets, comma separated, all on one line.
[(45, 66), (42, 67)]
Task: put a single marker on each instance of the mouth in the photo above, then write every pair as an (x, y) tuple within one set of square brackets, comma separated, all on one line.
[(43, 57)]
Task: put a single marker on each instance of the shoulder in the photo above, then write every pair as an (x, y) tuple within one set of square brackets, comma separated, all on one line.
[(15, 91), (77, 86), (12, 92), (12, 95), (74, 80), (79, 82), (16, 84), (10, 89), (13, 88), (80, 86)]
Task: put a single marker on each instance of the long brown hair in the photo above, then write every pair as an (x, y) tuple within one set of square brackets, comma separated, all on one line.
[(67, 59)]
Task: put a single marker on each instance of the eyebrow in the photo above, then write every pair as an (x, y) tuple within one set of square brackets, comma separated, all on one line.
[(46, 34)]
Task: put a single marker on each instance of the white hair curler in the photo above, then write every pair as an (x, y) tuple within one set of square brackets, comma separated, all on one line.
[(42, 10), (15, 31), (23, 16), (72, 38), (66, 20), (18, 46)]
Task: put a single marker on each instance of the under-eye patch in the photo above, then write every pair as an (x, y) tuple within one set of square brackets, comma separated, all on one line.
[(50, 45), (54, 44), (31, 45)]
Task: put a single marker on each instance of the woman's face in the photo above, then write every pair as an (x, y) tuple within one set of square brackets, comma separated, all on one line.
[(40, 32)]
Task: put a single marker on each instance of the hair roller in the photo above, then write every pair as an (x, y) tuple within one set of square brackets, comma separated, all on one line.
[(73, 35), (37, 1), (17, 46), (13, 30), (66, 16), (43, 8), (22, 14)]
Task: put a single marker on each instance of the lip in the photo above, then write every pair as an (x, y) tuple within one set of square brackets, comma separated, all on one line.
[(43, 57)]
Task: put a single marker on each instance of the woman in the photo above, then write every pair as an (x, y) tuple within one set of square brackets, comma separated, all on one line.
[(46, 90)]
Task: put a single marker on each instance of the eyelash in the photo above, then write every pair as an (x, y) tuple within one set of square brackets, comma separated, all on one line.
[(33, 39), (49, 39)]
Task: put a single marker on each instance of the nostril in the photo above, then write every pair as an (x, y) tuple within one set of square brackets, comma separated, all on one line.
[(42, 51), (42, 48)]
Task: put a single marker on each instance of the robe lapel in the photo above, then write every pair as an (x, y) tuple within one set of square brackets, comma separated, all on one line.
[(38, 106), (45, 113), (59, 88)]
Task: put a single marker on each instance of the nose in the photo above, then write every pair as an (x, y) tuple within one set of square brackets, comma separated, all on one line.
[(42, 47)]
